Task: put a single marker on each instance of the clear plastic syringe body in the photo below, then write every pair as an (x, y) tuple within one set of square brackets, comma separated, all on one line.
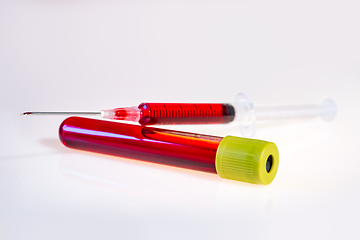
[(247, 114), (242, 110), (173, 113)]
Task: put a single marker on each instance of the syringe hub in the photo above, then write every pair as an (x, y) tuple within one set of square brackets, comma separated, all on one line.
[(124, 113)]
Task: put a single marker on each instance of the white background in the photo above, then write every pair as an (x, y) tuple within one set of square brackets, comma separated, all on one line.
[(91, 55)]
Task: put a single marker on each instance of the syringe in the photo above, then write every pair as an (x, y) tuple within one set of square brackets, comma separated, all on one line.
[(209, 113), (163, 113)]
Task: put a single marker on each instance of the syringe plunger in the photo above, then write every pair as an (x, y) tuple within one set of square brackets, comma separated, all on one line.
[(247, 114)]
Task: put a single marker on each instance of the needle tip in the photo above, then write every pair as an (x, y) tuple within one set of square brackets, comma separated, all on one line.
[(26, 113)]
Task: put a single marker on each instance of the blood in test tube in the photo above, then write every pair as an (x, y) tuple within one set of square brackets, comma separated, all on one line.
[(235, 158)]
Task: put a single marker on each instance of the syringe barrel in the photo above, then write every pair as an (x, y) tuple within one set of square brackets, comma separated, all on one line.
[(235, 158), (185, 113)]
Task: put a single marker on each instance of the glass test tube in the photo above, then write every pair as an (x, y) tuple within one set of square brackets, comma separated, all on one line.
[(236, 158)]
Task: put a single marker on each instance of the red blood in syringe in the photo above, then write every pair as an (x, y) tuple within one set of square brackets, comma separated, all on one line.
[(178, 113)]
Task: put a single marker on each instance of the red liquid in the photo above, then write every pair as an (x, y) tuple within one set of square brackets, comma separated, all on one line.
[(185, 113), (120, 114), (174, 148)]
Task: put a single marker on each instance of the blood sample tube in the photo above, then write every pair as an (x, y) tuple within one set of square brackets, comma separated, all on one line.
[(248, 160)]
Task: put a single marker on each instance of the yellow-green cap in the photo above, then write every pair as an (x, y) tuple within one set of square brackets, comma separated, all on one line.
[(247, 160)]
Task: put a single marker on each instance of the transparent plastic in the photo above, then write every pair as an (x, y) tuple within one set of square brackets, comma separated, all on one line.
[(210, 113), (247, 114), (185, 113), (125, 113), (242, 110), (173, 113)]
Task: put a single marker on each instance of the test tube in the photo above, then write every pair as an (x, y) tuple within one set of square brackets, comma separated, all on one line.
[(242, 159)]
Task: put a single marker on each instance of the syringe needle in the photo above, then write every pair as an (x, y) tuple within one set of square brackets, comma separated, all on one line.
[(60, 113), (125, 113)]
